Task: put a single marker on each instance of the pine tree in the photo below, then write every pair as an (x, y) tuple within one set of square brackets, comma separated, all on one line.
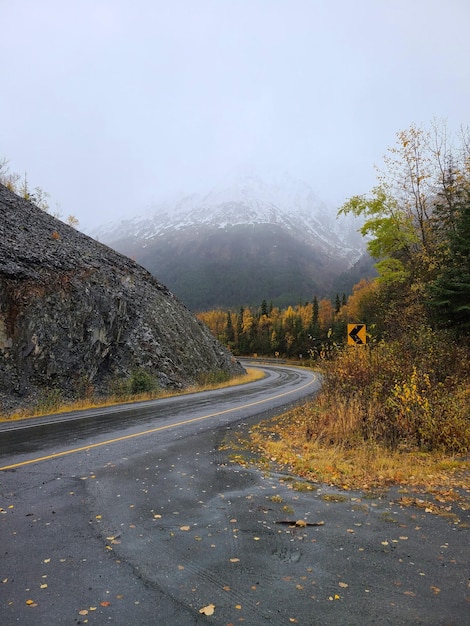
[(229, 330), (314, 327), (337, 303), (451, 291)]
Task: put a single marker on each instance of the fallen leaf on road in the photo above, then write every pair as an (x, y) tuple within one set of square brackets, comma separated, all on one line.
[(185, 527), (105, 603), (208, 610), (234, 560), (435, 589), (344, 585)]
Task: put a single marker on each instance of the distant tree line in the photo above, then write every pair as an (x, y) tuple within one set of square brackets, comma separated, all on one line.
[(300, 331)]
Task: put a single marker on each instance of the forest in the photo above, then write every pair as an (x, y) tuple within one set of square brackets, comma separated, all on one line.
[(302, 331)]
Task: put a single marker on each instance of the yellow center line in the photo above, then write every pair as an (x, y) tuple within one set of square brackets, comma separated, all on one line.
[(148, 432)]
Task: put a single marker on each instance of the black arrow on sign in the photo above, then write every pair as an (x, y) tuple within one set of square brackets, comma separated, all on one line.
[(354, 333)]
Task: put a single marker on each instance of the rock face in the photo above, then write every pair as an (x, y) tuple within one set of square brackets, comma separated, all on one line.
[(76, 315)]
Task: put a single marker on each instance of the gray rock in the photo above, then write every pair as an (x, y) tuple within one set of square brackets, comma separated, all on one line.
[(75, 314)]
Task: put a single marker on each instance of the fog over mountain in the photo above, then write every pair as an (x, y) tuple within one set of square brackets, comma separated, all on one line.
[(240, 242)]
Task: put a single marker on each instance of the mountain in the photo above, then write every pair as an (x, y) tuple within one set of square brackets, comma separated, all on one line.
[(242, 242), (76, 316)]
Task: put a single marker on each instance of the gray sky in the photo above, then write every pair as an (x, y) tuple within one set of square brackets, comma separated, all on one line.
[(111, 105)]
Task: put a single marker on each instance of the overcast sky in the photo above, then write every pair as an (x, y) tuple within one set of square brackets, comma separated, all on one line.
[(111, 105)]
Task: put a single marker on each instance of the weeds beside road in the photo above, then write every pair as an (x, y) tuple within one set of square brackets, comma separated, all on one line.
[(387, 415)]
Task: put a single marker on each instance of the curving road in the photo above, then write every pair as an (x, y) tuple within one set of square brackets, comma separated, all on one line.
[(25, 441), (68, 483), (141, 515)]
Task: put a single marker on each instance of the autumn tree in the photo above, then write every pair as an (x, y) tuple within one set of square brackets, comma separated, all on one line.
[(415, 221), (400, 211), (325, 314)]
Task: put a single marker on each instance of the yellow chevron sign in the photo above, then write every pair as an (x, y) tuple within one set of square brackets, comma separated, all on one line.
[(357, 334)]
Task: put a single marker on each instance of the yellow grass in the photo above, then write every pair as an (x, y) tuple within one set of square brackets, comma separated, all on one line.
[(367, 466), (251, 375)]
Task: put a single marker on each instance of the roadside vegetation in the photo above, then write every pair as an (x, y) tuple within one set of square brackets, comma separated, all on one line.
[(20, 185), (139, 387), (397, 410)]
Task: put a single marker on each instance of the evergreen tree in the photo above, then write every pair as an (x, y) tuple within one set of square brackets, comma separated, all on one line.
[(337, 303), (229, 331), (451, 291), (239, 331), (314, 327)]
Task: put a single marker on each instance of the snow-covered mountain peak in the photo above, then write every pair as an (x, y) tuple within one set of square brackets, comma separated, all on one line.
[(242, 199)]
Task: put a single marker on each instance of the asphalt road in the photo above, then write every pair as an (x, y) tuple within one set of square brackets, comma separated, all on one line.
[(142, 516)]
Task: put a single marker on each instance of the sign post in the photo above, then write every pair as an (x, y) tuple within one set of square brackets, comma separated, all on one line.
[(357, 335)]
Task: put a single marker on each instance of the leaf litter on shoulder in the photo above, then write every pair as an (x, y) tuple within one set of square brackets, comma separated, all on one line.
[(367, 466)]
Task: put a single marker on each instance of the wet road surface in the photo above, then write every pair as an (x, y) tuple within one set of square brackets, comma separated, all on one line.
[(147, 519)]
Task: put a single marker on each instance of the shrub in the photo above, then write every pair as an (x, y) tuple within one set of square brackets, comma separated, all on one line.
[(213, 377), (141, 382), (407, 394), (49, 401)]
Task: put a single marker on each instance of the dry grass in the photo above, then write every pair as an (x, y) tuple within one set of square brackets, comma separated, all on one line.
[(385, 416), (251, 375), (367, 466)]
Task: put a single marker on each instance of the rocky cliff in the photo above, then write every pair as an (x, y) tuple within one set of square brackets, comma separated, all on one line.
[(76, 315)]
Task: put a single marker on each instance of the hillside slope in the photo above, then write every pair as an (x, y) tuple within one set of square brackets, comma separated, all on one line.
[(75, 314)]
